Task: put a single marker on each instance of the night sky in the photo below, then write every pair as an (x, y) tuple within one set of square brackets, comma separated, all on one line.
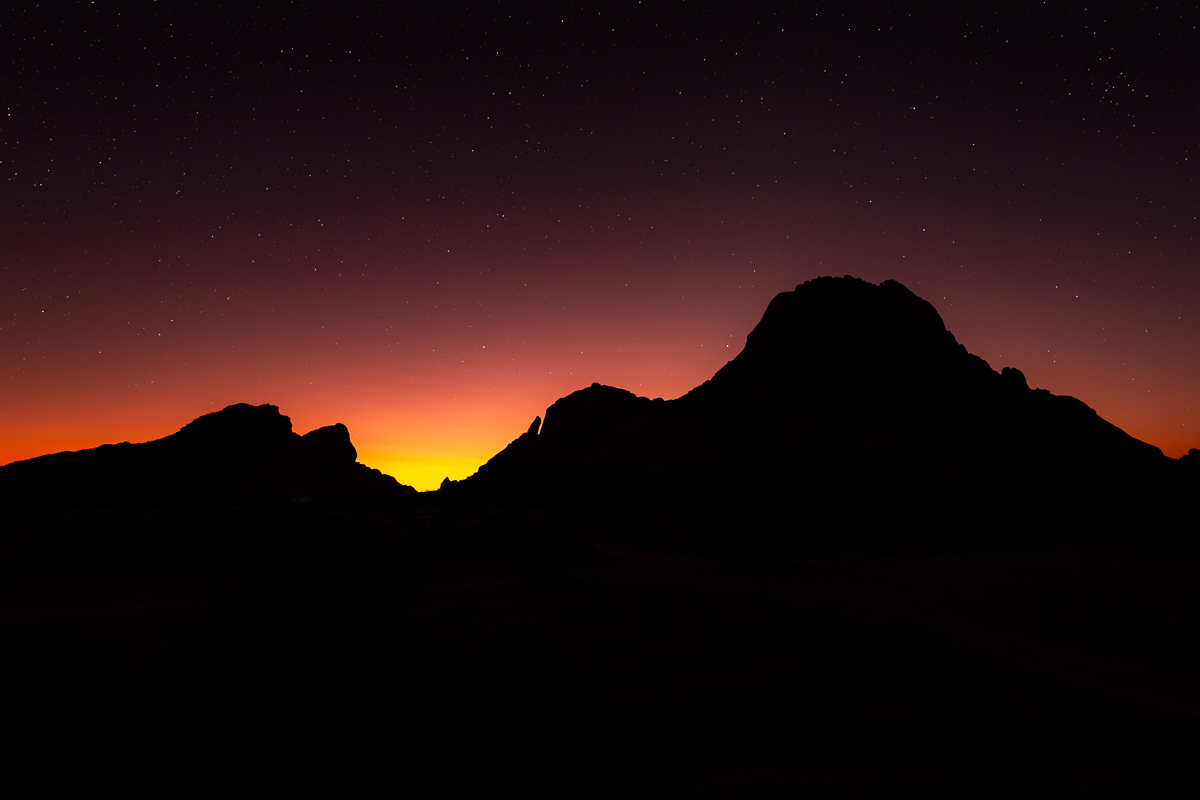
[(429, 222)]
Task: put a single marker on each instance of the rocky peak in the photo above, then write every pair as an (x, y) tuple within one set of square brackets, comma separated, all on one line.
[(329, 445), (848, 326), (239, 426)]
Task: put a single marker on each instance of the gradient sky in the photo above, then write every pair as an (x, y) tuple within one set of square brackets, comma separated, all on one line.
[(429, 224)]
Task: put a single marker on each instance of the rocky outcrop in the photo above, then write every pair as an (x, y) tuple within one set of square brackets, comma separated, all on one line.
[(234, 454), (1014, 378), (829, 326), (581, 414), (320, 464)]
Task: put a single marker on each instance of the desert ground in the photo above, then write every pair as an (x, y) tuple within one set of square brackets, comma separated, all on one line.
[(438, 651)]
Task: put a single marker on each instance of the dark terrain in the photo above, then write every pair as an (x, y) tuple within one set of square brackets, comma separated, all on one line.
[(857, 562)]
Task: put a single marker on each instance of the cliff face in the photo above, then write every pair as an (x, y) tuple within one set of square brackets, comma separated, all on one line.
[(841, 378)]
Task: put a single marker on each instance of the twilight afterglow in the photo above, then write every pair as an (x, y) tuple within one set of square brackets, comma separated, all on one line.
[(430, 226)]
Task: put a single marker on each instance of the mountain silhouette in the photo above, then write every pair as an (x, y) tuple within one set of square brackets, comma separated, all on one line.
[(848, 396), (237, 453), (845, 391), (855, 540)]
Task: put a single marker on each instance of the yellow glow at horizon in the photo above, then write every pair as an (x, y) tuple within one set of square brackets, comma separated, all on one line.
[(423, 472)]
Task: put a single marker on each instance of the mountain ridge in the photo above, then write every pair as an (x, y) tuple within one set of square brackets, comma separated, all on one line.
[(235, 454), (841, 380), (845, 390)]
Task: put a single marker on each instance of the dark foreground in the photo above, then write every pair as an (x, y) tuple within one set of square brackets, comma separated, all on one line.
[(342, 650)]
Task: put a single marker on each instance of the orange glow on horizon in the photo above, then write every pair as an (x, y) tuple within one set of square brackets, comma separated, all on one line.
[(432, 243), (422, 439), (433, 380)]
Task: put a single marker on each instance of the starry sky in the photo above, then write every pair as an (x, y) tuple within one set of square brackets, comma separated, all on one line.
[(429, 221)]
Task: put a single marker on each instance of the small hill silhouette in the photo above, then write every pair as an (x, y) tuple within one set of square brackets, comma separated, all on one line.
[(239, 452)]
